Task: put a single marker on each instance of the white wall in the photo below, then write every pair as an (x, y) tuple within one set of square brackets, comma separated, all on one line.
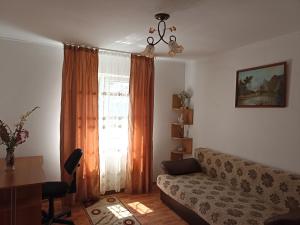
[(169, 79), (30, 75), (267, 135)]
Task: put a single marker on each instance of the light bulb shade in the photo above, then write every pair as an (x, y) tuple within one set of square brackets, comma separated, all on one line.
[(149, 51), (175, 48)]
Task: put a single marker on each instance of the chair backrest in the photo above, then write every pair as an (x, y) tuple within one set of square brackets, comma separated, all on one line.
[(70, 166), (73, 161)]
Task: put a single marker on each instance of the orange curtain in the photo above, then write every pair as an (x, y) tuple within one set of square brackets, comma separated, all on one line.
[(141, 91), (79, 118)]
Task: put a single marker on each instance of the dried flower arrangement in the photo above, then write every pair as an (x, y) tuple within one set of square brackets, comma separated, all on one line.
[(185, 98)]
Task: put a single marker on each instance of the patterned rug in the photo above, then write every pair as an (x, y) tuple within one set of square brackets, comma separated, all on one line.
[(110, 211)]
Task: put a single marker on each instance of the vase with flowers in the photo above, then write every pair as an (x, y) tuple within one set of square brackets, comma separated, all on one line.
[(185, 98), (11, 138)]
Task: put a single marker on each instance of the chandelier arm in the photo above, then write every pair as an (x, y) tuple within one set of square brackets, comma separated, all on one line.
[(160, 33)]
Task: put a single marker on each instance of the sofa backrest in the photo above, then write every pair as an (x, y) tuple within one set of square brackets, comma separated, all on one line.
[(279, 188)]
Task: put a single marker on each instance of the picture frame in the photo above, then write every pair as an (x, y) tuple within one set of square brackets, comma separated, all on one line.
[(262, 86)]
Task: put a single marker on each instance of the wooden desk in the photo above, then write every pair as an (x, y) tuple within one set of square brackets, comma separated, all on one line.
[(21, 192)]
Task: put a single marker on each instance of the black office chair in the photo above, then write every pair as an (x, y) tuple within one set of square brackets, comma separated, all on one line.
[(52, 190)]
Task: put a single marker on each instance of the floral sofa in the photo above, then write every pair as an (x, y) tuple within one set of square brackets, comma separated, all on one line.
[(232, 191)]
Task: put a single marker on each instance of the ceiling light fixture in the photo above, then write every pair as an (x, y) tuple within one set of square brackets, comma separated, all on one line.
[(161, 30)]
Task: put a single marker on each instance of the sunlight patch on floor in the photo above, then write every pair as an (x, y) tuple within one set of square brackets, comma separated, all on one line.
[(119, 211), (140, 208)]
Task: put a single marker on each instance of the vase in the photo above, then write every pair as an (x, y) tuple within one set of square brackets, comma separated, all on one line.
[(187, 132), (187, 103), (10, 159), (180, 118)]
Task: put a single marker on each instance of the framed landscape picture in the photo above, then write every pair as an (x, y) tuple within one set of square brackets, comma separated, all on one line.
[(263, 86)]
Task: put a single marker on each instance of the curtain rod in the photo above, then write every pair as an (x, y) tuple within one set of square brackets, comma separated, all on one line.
[(98, 49), (110, 50)]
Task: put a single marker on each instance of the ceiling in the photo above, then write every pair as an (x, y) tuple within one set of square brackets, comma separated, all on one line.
[(204, 27)]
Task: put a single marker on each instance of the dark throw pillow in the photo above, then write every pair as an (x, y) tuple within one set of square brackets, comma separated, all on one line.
[(179, 167)]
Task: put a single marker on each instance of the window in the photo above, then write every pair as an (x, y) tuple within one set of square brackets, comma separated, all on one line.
[(114, 72)]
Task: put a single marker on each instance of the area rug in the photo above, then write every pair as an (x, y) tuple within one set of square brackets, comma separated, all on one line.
[(110, 211)]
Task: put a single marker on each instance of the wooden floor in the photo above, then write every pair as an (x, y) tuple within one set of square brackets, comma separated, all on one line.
[(156, 212)]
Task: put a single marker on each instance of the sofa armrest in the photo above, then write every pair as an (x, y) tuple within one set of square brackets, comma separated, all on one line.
[(180, 167), (291, 218)]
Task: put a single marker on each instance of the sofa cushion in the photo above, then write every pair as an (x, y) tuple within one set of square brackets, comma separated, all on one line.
[(278, 187), (179, 167), (215, 201)]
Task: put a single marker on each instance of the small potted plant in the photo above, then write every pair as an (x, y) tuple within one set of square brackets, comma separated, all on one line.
[(185, 98), (12, 138)]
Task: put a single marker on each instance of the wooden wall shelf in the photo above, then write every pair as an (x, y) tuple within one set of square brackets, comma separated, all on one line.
[(176, 102), (182, 138), (187, 115), (186, 143), (177, 129), (175, 155), (181, 124), (182, 109)]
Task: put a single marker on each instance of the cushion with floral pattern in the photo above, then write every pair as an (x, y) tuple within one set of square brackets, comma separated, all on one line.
[(215, 201)]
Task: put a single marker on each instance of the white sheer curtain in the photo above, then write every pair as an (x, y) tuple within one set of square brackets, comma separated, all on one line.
[(114, 72)]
